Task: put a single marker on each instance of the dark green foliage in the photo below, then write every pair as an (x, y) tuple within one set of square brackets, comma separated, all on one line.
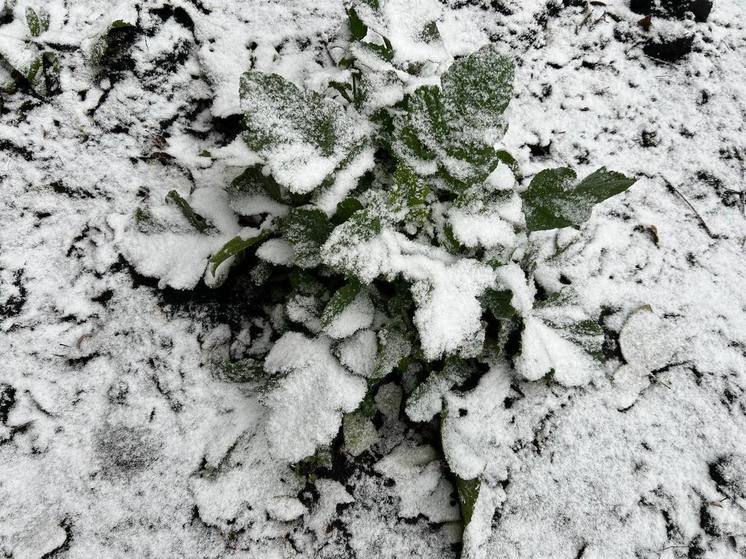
[(468, 492), (477, 89), (358, 29), (345, 209), (110, 47), (38, 22), (409, 193), (235, 246), (253, 181), (456, 124), (553, 199), (339, 301), (307, 228), (41, 78), (498, 303), (277, 112), (195, 220)]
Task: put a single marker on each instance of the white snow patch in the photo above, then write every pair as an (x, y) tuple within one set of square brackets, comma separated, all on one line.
[(306, 405)]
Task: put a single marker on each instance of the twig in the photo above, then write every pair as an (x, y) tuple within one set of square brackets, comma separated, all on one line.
[(688, 203), (660, 551)]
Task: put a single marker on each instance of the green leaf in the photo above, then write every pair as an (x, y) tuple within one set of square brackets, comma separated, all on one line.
[(477, 89), (253, 181), (243, 370), (358, 30), (197, 221), (120, 24), (427, 399), (544, 196), (422, 129), (359, 432), (307, 229), (303, 136), (430, 33), (561, 312), (305, 283), (235, 246), (510, 161), (468, 164), (107, 43), (344, 89), (384, 51), (345, 209), (498, 303), (44, 74), (34, 70), (339, 301), (394, 345), (427, 114), (468, 492), (456, 126), (277, 112), (603, 184), (309, 467), (552, 200), (448, 240), (410, 193), (362, 226), (34, 22)]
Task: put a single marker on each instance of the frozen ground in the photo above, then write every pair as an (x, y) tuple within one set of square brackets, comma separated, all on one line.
[(119, 437)]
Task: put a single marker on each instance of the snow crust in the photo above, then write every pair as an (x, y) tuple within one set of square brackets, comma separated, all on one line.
[(120, 433), (306, 406)]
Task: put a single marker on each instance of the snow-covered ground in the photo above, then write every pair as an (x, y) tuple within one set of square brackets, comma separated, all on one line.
[(121, 437)]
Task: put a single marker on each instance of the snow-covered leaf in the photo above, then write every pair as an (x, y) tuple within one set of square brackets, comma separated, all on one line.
[(454, 128), (394, 345), (306, 406), (498, 303), (303, 136), (306, 228), (359, 433), (38, 22), (545, 350), (427, 399), (358, 352), (348, 311), (341, 299), (409, 195), (476, 91), (419, 482), (107, 44)]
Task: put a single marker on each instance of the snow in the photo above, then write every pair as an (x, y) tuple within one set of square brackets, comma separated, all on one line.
[(305, 407), (481, 229), (501, 178), (420, 483), (276, 251), (544, 350), (120, 435), (476, 441), (358, 314), (358, 352)]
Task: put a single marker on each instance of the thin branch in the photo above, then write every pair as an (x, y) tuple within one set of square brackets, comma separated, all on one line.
[(688, 203)]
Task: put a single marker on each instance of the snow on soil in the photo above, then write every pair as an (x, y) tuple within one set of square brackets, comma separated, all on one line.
[(119, 435)]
